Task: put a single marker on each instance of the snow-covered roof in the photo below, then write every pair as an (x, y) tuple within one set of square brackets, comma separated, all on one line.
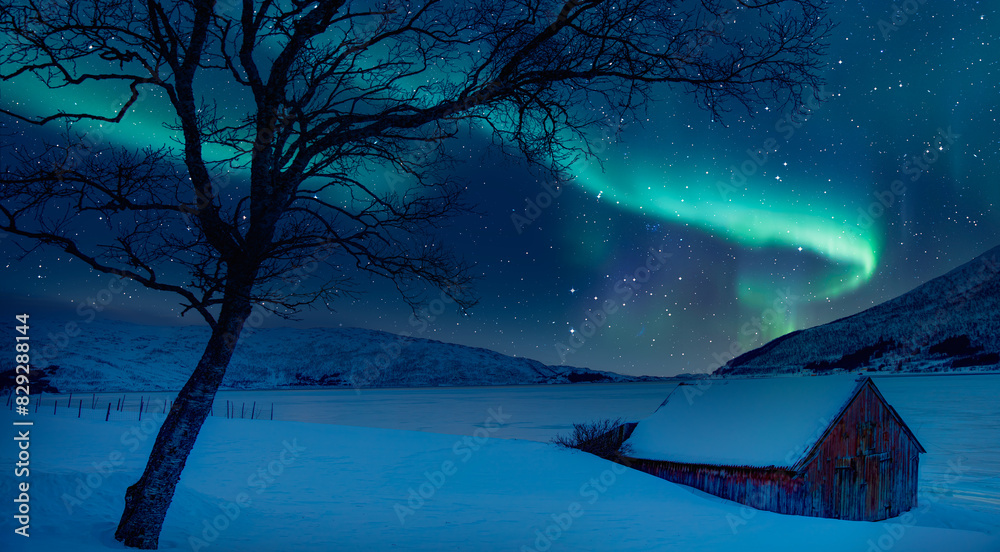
[(743, 422)]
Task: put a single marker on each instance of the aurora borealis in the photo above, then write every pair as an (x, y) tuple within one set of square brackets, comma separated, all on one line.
[(777, 221)]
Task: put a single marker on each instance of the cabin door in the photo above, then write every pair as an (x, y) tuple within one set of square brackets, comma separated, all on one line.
[(848, 492), (882, 465), (863, 487)]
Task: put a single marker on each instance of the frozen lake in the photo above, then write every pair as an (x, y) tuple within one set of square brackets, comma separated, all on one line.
[(956, 418)]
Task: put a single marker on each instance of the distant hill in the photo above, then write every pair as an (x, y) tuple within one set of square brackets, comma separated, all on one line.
[(951, 323), (118, 356)]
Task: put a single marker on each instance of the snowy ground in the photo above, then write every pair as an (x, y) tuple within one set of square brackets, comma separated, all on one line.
[(265, 486), (314, 486)]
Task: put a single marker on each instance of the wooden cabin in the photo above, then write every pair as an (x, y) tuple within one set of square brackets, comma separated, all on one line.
[(824, 446)]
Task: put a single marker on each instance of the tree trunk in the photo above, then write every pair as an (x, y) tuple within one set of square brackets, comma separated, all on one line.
[(147, 501)]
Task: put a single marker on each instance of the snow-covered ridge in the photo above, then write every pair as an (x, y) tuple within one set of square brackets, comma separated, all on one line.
[(109, 355), (951, 323)]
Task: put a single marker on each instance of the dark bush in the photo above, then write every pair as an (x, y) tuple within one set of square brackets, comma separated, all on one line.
[(604, 438), (862, 356), (820, 366), (855, 360), (577, 377), (959, 345), (985, 359)]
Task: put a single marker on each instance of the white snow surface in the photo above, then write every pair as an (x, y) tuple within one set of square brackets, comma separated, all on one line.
[(313, 487), (742, 422)]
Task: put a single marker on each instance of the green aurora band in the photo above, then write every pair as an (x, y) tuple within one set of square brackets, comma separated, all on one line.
[(751, 222), (745, 220)]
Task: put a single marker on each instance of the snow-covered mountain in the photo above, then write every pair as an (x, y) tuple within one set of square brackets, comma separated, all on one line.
[(951, 323), (109, 355)]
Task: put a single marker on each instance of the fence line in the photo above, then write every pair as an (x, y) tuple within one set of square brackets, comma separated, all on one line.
[(120, 408)]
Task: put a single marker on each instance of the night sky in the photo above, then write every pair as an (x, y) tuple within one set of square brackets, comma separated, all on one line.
[(766, 224)]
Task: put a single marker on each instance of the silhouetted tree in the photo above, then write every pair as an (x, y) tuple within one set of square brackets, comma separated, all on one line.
[(331, 117)]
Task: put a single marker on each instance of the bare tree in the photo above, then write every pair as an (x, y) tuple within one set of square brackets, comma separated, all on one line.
[(314, 103)]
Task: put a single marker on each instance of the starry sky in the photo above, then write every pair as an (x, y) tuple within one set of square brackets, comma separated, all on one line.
[(690, 238)]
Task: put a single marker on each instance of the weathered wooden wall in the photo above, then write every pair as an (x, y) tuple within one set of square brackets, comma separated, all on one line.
[(765, 489), (864, 468)]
